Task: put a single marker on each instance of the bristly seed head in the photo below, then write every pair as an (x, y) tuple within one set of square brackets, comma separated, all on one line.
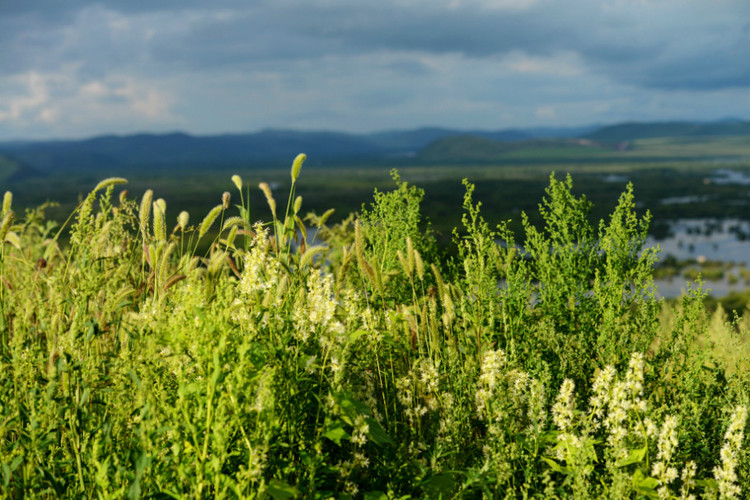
[(112, 181), (297, 166), (297, 204), (145, 211), (182, 220), (225, 199), (5, 224), (209, 220), (7, 202), (237, 180), (269, 196), (160, 228)]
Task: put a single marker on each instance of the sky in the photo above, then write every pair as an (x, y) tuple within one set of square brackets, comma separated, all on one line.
[(76, 68)]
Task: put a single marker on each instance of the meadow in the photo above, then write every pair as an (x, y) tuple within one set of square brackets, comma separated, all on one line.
[(206, 354)]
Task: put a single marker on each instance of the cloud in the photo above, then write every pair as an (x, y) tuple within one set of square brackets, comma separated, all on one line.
[(232, 65), (56, 101), (667, 44)]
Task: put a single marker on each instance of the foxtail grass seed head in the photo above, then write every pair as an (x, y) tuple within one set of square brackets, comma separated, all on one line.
[(420, 264), (297, 166), (123, 196), (326, 215), (225, 199), (7, 202), (237, 180), (5, 224), (183, 219), (297, 204), (112, 181), (144, 214), (162, 204), (209, 220), (234, 222), (269, 196), (160, 226)]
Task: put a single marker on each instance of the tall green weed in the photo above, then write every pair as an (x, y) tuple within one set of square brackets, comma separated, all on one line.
[(365, 366)]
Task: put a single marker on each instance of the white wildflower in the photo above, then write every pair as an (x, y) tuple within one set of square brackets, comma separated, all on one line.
[(600, 394), (726, 475), (361, 429), (634, 381), (562, 411), (666, 446), (493, 361), (688, 480)]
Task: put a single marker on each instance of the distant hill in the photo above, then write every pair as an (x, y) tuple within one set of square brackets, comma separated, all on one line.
[(113, 153), (462, 148), (409, 142), (179, 149), (109, 154), (635, 130), (12, 169), (468, 149)]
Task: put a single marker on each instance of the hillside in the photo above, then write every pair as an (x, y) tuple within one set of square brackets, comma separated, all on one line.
[(468, 149), (115, 154), (462, 149), (13, 170), (634, 130)]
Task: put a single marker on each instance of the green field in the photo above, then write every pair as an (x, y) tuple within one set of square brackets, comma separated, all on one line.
[(507, 183)]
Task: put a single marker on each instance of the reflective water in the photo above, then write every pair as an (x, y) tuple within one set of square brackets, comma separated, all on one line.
[(701, 240)]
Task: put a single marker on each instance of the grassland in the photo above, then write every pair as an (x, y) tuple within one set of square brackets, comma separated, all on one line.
[(136, 364)]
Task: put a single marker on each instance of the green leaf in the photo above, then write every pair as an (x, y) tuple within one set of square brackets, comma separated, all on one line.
[(350, 407), (375, 495), (279, 490), (645, 485), (634, 457), (336, 432), (353, 336), (377, 433), (708, 484), (555, 466), (441, 485)]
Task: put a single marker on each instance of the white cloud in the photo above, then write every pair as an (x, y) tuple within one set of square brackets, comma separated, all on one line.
[(85, 68), (546, 112), (561, 64), (493, 4), (34, 96), (148, 102)]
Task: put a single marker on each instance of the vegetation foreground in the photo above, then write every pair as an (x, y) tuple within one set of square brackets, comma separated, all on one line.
[(368, 366)]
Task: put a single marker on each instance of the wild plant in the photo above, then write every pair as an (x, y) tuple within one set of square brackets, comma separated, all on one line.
[(264, 365)]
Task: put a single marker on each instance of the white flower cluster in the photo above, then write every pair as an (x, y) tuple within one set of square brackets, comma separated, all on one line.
[(667, 444), (491, 371), (562, 410), (726, 475), (317, 309), (260, 286), (358, 459), (418, 392), (625, 396), (357, 314)]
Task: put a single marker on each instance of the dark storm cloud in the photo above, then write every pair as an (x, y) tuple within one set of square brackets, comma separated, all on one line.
[(637, 42), (627, 42)]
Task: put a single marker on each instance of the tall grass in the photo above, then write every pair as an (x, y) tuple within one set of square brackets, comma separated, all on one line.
[(369, 367)]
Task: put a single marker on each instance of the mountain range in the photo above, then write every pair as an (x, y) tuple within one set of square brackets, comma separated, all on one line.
[(113, 153)]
